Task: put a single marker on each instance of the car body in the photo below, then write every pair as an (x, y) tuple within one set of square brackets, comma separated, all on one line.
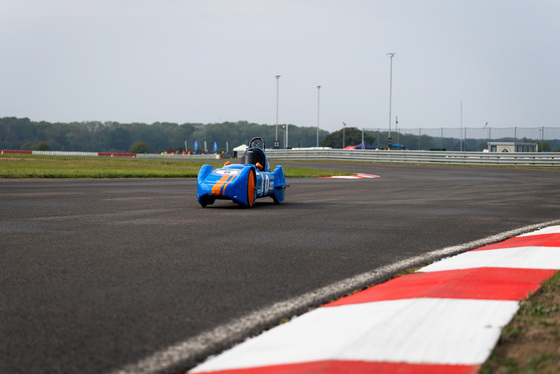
[(242, 183)]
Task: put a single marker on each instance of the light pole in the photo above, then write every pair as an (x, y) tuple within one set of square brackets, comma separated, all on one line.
[(397, 129), (461, 129), (277, 90), (318, 104), (344, 135), (389, 140)]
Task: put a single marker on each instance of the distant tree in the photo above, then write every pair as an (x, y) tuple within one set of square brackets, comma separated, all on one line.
[(139, 147), (41, 146), (28, 145), (544, 146), (352, 136), (119, 139)]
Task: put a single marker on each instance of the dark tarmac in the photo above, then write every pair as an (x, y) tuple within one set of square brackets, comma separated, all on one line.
[(98, 274)]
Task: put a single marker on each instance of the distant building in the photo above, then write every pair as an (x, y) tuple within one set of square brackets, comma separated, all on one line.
[(512, 147)]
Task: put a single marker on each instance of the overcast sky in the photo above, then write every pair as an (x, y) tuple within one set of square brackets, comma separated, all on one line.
[(216, 60)]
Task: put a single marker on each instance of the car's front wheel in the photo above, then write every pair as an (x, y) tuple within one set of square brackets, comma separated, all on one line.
[(206, 200), (251, 188)]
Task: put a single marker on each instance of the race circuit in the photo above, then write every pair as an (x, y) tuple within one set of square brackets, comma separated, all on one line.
[(98, 275)]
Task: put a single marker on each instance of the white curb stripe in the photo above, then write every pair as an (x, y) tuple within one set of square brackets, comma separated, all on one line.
[(519, 257), (410, 330), (357, 176)]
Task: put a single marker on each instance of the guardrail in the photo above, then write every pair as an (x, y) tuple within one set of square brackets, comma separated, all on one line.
[(202, 156), (544, 159), (116, 154), (420, 157)]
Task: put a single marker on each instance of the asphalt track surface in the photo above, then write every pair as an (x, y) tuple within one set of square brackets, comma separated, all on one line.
[(96, 275)]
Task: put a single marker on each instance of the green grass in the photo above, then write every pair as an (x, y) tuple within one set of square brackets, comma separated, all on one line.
[(37, 166), (530, 342)]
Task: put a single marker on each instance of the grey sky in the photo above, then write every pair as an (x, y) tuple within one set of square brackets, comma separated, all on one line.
[(216, 60)]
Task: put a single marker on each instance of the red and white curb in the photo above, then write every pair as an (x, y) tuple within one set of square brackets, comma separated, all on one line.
[(446, 318), (355, 176)]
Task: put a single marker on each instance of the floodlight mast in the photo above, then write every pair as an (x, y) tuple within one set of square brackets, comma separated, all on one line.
[(318, 105), (277, 91), (389, 140)]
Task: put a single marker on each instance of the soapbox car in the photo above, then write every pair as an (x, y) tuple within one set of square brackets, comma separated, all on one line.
[(243, 183)]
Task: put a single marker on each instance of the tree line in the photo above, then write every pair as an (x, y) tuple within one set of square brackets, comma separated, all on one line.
[(95, 136)]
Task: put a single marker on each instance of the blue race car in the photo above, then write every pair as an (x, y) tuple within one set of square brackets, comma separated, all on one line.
[(243, 183)]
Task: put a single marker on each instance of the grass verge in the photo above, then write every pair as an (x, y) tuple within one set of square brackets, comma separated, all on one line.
[(531, 341), (38, 166)]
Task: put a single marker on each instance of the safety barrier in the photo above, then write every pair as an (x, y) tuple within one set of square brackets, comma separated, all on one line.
[(117, 154), (420, 157), (543, 159), (15, 151), (63, 153), (210, 156)]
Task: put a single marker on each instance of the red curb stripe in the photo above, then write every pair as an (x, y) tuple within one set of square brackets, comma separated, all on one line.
[(477, 283), (358, 367), (544, 240)]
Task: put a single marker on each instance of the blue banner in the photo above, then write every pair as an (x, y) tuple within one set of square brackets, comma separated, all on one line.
[(195, 146)]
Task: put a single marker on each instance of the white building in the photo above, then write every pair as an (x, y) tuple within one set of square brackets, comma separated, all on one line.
[(512, 147)]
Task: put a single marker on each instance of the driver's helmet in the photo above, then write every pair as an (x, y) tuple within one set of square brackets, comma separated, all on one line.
[(252, 156)]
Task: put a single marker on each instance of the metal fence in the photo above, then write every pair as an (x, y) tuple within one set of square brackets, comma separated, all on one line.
[(547, 159), (489, 133), (464, 139)]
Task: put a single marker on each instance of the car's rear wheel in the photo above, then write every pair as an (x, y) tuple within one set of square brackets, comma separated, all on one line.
[(251, 188)]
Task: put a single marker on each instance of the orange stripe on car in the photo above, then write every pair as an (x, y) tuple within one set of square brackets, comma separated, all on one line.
[(228, 182), (219, 184), (223, 182)]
